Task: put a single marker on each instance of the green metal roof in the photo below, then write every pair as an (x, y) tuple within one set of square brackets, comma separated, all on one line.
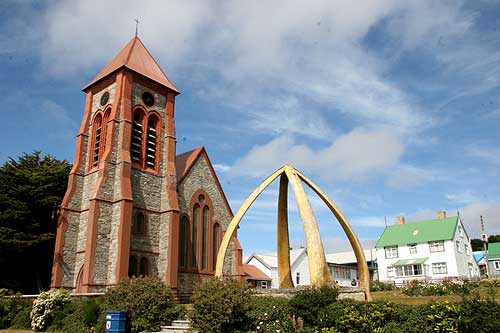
[(419, 232), (493, 250), (415, 261)]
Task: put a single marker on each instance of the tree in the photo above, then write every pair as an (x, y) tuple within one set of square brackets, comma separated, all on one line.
[(476, 244), (494, 239), (31, 188)]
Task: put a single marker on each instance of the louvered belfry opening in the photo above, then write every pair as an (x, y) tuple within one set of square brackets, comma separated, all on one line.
[(151, 143), (137, 131), (97, 139)]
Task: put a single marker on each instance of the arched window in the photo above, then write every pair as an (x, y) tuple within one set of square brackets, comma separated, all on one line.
[(194, 238), (137, 137), (96, 139), (132, 266), (144, 267), (105, 120), (151, 142), (204, 239), (139, 224), (215, 245), (183, 242)]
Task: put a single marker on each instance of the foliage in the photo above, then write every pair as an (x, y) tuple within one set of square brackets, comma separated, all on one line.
[(45, 307), (148, 301), (78, 316), (479, 316), (382, 286), (424, 288), (221, 305), (308, 303), (30, 190), (10, 308), (22, 318), (270, 314), (494, 239), (476, 244)]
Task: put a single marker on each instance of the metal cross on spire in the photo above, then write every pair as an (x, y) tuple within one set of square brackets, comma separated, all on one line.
[(136, 27)]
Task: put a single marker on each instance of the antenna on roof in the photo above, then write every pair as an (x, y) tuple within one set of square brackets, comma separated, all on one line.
[(136, 27)]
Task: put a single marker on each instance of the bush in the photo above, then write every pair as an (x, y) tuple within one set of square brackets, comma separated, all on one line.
[(148, 301), (45, 306), (78, 316), (423, 288), (22, 314), (270, 314), (308, 303), (479, 316), (11, 308), (220, 306), (381, 286)]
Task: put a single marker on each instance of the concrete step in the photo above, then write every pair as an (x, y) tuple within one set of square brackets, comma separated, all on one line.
[(178, 326)]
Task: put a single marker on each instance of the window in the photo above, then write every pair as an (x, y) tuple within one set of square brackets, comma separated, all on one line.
[(139, 224), (151, 142), (215, 245), (409, 270), (204, 239), (342, 273), (461, 231), (144, 267), (497, 265), (466, 247), (459, 249), (391, 271), (263, 284), (297, 278), (439, 268), (136, 143), (413, 248), (437, 246), (391, 252), (183, 242), (132, 266), (194, 257), (96, 137), (144, 144)]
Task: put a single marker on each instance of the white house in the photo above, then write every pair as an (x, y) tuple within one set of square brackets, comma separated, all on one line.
[(431, 249), (342, 266)]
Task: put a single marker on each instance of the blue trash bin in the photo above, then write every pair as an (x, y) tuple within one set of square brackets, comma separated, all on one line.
[(116, 321)]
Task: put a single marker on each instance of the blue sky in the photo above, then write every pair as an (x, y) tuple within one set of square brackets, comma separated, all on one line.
[(392, 107)]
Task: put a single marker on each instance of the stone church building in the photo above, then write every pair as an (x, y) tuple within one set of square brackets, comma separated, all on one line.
[(133, 207)]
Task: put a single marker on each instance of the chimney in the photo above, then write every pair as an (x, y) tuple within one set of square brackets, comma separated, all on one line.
[(400, 219), (441, 215)]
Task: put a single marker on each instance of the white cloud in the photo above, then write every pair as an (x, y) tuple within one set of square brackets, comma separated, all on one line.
[(359, 153), (489, 154), (407, 176), (335, 244), (462, 197)]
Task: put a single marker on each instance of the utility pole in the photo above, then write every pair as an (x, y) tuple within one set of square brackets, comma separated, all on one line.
[(485, 246)]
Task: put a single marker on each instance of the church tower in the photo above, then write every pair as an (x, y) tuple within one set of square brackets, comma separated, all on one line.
[(120, 214)]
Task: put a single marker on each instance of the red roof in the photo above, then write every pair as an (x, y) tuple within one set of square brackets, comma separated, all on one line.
[(136, 57), (253, 273), (185, 161)]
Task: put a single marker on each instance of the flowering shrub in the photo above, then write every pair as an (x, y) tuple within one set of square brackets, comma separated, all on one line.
[(381, 286), (270, 314), (425, 288), (46, 305)]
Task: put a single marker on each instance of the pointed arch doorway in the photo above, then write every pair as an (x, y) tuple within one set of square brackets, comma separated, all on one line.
[(318, 269)]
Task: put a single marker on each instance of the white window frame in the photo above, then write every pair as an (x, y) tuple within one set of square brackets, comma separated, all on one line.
[(496, 264), (409, 270), (391, 271), (467, 250), (439, 268), (297, 278), (461, 231), (391, 252), (459, 249), (413, 248), (263, 284), (436, 246)]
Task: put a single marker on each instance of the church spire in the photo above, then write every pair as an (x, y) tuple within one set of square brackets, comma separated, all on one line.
[(137, 58)]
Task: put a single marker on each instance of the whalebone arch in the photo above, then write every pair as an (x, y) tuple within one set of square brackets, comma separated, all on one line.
[(318, 269)]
